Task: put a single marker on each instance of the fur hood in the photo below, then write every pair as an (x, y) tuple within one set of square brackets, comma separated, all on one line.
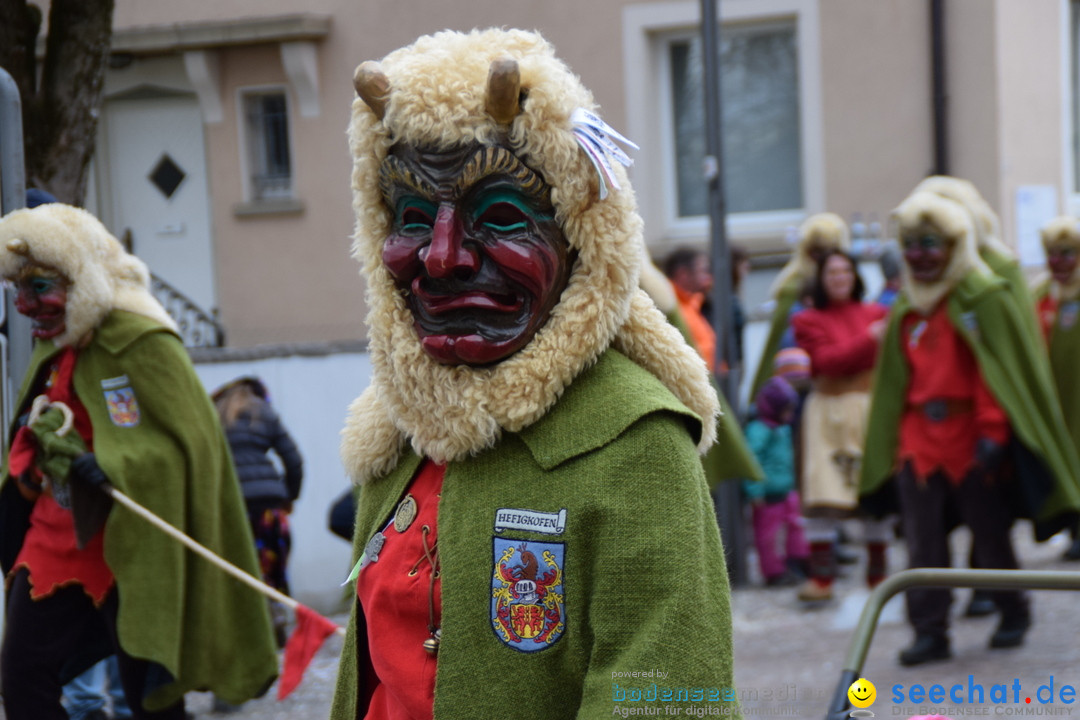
[(987, 226), (1064, 232), (103, 276), (825, 229), (435, 96), (956, 224)]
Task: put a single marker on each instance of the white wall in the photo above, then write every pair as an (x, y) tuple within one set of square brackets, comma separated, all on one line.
[(312, 395)]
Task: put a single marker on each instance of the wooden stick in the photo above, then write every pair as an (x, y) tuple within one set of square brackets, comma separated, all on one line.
[(202, 550)]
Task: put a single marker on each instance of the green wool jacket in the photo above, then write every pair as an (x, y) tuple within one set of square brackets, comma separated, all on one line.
[(785, 299), (644, 585), (730, 457), (1064, 350), (202, 629), (983, 311)]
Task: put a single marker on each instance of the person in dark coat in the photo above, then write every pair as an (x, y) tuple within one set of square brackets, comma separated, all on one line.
[(253, 429)]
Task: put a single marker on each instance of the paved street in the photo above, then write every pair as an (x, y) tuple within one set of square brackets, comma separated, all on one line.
[(788, 660)]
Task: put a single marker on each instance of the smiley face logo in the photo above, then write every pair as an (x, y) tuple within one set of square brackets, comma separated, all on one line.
[(862, 693)]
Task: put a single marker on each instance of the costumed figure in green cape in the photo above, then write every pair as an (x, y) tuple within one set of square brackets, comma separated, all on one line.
[(1057, 303), (817, 235), (532, 503), (111, 397), (1003, 262), (964, 420)]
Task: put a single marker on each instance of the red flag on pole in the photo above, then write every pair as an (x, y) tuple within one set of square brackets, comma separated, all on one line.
[(307, 637)]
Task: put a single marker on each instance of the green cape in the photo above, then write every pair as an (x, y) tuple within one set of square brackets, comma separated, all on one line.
[(730, 458), (785, 299), (1009, 270), (201, 629), (983, 311), (645, 581)]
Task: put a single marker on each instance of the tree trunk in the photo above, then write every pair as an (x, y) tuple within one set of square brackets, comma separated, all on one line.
[(60, 112)]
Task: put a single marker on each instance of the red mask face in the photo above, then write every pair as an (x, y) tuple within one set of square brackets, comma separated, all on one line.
[(41, 295), (1062, 262), (927, 253), (474, 248)]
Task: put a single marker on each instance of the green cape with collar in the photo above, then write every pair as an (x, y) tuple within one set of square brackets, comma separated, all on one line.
[(778, 324), (645, 585), (983, 311), (202, 629), (1064, 354)]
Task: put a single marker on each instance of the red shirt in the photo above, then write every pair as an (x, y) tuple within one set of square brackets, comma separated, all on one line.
[(394, 595), (1047, 312), (942, 367), (49, 551), (838, 338)]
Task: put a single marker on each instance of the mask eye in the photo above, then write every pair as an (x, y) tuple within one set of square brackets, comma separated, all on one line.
[(40, 285), (415, 219), (503, 218)]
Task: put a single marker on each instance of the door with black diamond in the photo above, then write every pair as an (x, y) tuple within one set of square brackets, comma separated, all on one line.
[(158, 189)]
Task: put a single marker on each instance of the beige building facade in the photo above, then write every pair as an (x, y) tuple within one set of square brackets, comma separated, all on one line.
[(223, 155)]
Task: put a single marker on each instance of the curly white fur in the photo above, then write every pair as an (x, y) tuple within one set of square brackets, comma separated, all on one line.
[(437, 98)]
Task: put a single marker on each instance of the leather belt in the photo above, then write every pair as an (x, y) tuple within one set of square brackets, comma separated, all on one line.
[(938, 409), (828, 385)]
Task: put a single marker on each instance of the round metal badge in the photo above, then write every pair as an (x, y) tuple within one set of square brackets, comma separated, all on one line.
[(406, 513)]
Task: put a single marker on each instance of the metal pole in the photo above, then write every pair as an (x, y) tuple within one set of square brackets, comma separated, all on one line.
[(941, 97), (15, 343), (728, 501)]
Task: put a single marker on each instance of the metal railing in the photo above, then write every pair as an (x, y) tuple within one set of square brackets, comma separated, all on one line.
[(198, 329), (931, 577)]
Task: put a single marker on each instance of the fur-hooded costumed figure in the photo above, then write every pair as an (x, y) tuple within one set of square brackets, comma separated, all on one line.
[(156, 438), (435, 94), (595, 414), (1060, 234), (980, 307), (102, 275), (817, 235), (955, 223)]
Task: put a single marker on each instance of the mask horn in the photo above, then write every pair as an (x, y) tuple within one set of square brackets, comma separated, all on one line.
[(503, 90), (19, 246), (372, 86)]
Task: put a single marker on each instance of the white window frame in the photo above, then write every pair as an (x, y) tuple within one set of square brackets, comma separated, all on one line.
[(242, 94), (647, 30)]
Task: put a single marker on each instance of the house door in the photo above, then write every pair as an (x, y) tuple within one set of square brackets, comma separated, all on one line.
[(158, 188)]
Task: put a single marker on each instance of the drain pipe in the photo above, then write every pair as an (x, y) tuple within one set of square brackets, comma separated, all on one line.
[(937, 69)]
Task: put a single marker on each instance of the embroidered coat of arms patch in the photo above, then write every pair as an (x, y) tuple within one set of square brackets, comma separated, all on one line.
[(527, 604)]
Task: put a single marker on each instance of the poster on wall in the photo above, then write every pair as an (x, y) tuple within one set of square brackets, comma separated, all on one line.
[(1036, 205)]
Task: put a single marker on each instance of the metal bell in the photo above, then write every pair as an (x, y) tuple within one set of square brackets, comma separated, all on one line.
[(431, 645)]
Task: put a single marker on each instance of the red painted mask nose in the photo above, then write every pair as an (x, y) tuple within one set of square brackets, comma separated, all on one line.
[(447, 255)]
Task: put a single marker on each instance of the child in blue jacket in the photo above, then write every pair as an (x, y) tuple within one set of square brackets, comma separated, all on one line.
[(774, 501)]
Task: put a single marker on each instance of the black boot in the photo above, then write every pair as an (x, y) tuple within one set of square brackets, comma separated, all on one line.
[(1011, 631), (981, 605), (926, 648)]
